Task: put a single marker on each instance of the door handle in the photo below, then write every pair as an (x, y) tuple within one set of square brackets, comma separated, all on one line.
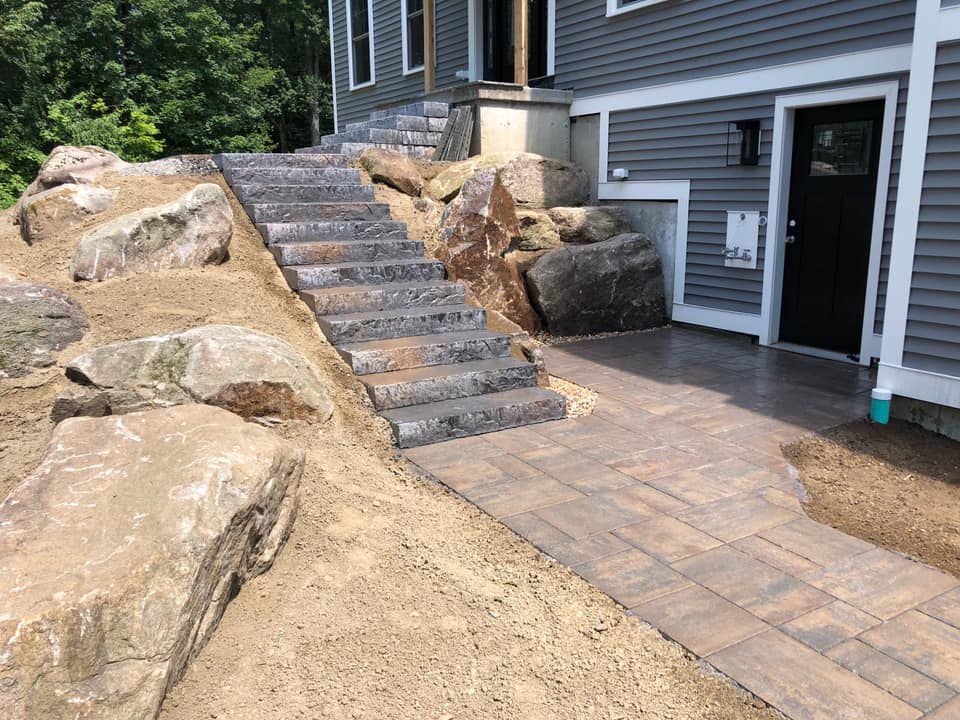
[(791, 239)]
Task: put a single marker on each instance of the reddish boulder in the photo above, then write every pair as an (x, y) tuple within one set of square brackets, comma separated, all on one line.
[(476, 232)]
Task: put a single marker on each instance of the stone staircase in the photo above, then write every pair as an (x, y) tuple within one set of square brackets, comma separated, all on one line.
[(429, 364), (413, 130)]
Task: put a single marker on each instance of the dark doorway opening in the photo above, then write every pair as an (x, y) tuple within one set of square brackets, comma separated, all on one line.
[(498, 40)]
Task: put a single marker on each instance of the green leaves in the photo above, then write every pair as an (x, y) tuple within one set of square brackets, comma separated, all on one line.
[(145, 77)]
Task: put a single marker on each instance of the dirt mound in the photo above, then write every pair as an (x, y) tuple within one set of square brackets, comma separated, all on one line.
[(393, 599)]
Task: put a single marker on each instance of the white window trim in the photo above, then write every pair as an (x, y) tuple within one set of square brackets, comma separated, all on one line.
[(614, 7), (779, 198), (373, 68), (405, 42)]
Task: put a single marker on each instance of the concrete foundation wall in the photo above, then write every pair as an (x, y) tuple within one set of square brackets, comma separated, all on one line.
[(657, 219), (585, 148), (936, 418), (511, 118)]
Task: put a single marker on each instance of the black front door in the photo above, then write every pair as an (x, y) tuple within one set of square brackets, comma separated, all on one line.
[(833, 189)]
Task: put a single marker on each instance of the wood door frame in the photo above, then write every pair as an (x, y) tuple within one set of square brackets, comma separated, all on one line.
[(780, 177), (475, 44)]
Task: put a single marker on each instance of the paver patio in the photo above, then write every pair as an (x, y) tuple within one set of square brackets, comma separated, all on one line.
[(674, 499)]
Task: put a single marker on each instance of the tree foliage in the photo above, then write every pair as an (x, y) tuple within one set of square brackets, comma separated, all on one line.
[(149, 77)]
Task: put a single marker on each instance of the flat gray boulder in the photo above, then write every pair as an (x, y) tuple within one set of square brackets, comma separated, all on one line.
[(392, 168), (589, 224), (247, 372), (53, 212), (540, 182), (609, 286), (121, 551), (192, 231), (35, 320)]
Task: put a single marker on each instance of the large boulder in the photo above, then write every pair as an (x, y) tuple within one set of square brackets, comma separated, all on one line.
[(476, 231), (74, 165), (51, 212), (609, 286), (120, 552), (446, 184), (193, 230), (392, 168), (589, 224), (537, 231), (241, 370), (35, 320), (540, 182)]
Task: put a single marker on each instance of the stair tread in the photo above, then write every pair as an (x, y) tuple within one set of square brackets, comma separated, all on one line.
[(371, 263), (362, 203), (443, 371), (412, 341), (474, 403), (399, 312), (360, 289)]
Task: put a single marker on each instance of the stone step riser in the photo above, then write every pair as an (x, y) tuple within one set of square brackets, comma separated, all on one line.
[(252, 194), (374, 299), (442, 320), (306, 212), (418, 392), (425, 109), (414, 433), (321, 276), (382, 135), (368, 362), (293, 176), (278, 160), (345, 252), (402, 122), (274, 233), (353, 150)]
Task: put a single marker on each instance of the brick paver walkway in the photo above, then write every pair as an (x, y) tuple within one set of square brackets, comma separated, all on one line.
[(674, 499)]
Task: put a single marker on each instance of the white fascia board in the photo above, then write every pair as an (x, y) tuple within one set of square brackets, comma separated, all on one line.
[(920, 384)]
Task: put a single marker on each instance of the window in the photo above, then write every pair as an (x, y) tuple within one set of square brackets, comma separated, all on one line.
[(412, 11), (617, 7), (360, 36)]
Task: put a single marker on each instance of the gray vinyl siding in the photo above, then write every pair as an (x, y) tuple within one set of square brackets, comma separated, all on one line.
[(688, 142), (392, 86), (932, 339), (891, 207), (686, 39), (452, 40)]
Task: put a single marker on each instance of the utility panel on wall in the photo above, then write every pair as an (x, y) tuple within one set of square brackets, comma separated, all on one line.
[(743, 239)]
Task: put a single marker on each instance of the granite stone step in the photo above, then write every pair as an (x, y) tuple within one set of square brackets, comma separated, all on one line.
[(307, 277), (434, 422), (426, 109), (236, 161), (332, 230), (382, 135), (369, 298), (353, 150), (384, 324), (305, 212), (402, 388), (334, 251), (293, 176), (248, 194), (403, 353), (402, 122)]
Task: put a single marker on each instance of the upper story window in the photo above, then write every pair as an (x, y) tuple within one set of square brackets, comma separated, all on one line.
[(618, 7), (360, 36), (412, 35)]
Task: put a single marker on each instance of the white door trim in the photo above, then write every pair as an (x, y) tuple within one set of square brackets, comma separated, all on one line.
[(780, 167), (333, 67), (474, 48), (551, 37)]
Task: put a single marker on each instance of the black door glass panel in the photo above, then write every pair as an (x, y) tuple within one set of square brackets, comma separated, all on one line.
[(841, 148)]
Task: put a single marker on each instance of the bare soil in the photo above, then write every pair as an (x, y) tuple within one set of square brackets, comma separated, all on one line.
[(897, 486), (393, 598)]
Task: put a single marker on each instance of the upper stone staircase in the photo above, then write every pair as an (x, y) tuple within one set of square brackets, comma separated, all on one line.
[(413, 130), (427, 359)]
